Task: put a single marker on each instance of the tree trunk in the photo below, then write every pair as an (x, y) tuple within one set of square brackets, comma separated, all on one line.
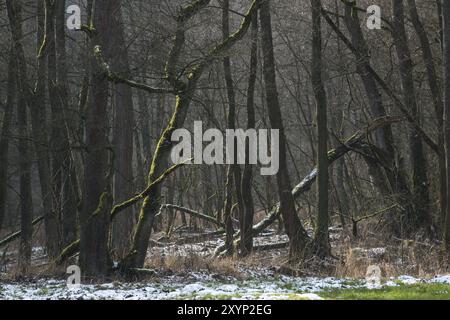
[(123, 136), (321, 237), (298, 237), (437, 99), (246, 244), (94, 218), (227, 212), (234, 171), (69, 183), (446, 29), (5, 132), (26, 204), (41, 143), (36, 105), (393, 180), (57, 145)]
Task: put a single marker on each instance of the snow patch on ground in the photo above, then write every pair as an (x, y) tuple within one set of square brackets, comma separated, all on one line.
[(194, 286)]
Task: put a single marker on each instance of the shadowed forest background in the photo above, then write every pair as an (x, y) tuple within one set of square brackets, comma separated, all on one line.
[(86, 118)]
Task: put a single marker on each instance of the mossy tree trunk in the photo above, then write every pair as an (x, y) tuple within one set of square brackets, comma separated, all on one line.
[(184, 92), (69, 182)]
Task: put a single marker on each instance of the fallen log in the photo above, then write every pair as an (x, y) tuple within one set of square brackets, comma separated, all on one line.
[(353, 143), (195, 214), (201, 237), (67, 252), (271, 246), (16, 235)]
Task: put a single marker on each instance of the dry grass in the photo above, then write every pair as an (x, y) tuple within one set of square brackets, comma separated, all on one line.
[(395, 257), (352, 257), (194, 263)]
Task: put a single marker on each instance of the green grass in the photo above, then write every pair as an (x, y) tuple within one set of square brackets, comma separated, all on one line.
[(420, 291)]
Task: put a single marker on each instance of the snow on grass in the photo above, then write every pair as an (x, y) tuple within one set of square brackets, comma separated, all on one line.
[(195, 286)]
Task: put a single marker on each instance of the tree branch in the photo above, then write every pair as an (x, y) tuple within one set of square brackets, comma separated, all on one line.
[(195, 214), (128, 203)]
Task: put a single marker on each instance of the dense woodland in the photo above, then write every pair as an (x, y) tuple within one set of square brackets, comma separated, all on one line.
[(87, 115)]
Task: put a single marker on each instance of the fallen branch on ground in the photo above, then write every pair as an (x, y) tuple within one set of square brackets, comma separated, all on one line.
[(271, 246), (67, 252), (128, 203), (16, 235), (195, 214)]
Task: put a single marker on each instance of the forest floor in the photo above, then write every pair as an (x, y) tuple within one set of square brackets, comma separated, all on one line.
[(183, 267)]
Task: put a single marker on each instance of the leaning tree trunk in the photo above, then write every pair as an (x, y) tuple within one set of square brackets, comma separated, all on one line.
[(321, 237), (392, 181), (421, 217), (298, 237), (436, 94)]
